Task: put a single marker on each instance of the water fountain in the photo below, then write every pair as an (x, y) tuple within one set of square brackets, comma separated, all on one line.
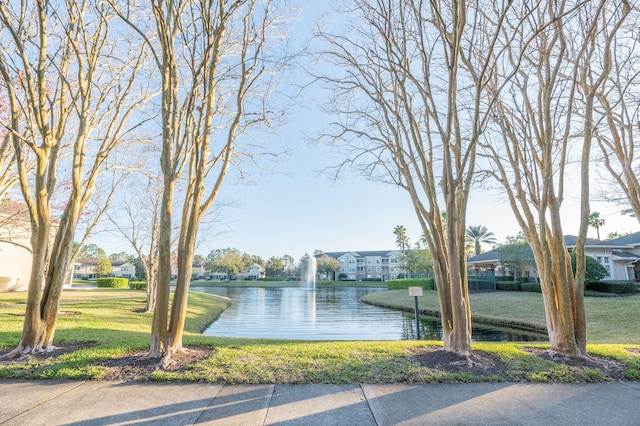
[(311, 272)]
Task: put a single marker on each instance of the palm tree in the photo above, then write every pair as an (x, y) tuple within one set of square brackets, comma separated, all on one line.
[(480, 234), (596, 222), (401, 237)]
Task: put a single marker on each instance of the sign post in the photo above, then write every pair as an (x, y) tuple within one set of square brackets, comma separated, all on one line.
[(415, 292)]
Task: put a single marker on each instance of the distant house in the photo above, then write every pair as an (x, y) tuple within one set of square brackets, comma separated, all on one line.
[(255, 272), (366, 265), (85, 269), (123, 269), (217, 276), (620, 257), (15, 246)]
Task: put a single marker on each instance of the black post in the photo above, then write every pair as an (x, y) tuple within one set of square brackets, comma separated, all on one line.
[(415, 304)]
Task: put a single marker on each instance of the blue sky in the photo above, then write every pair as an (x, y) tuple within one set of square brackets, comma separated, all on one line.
[(295, 211)]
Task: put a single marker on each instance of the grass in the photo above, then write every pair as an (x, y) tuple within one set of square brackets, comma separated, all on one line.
[(109, 319), (609, 319)]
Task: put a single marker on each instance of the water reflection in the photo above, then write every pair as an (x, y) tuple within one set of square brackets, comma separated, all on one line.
[(325, 314)]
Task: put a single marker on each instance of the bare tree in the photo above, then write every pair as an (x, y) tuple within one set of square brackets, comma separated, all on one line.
[(138, 221), (618, 114), (561, 58), (107, 187), (407, 78), (216, 71), (69, 101)]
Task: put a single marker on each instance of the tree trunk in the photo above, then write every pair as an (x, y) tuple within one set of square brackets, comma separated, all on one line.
[(32, 339), (159, 332), (152, 289)]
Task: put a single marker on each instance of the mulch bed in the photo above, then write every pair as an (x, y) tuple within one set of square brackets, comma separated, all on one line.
[(136, 365), (483, 364), (609, 367), (128, 367), (478, 364)]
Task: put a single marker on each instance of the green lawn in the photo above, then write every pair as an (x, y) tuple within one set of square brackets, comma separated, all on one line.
[(609, 319), (109, 319)]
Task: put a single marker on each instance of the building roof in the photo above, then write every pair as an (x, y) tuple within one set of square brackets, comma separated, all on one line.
[(626, 240), (488, 256), (570, 241), (87, 261), (625, 255)]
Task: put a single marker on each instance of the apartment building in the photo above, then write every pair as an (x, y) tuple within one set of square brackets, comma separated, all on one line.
[(382, 265)]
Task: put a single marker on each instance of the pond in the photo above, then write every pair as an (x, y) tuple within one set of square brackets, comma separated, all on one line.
[(328, 313)]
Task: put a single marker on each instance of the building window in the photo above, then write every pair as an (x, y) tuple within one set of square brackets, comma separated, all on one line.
[(605, 261)]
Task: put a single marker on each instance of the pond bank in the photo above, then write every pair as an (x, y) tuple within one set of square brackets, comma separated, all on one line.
[(401, 301)]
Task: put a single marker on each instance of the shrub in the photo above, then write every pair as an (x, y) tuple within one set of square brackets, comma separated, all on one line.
[(342, 276), (508, 285), (402, 284), (618, 287), (522, 279), (138, 285), (594, 270), (531, 287), (113, 282)]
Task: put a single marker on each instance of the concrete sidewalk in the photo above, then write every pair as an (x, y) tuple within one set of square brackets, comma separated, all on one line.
[(109, 403)]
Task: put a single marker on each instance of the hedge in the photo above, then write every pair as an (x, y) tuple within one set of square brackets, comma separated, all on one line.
[(509, 285), (405, 283), (531, 287), (618, 287), (113, 282), (138, 285)]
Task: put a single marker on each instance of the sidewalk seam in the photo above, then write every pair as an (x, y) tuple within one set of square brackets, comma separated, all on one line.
[(220, 387), (266, 412), (366, 398)]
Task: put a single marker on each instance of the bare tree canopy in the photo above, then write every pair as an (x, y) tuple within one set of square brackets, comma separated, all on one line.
[(69, 107), (617, 117), (542, 126), (407, 79), (217, 61)]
